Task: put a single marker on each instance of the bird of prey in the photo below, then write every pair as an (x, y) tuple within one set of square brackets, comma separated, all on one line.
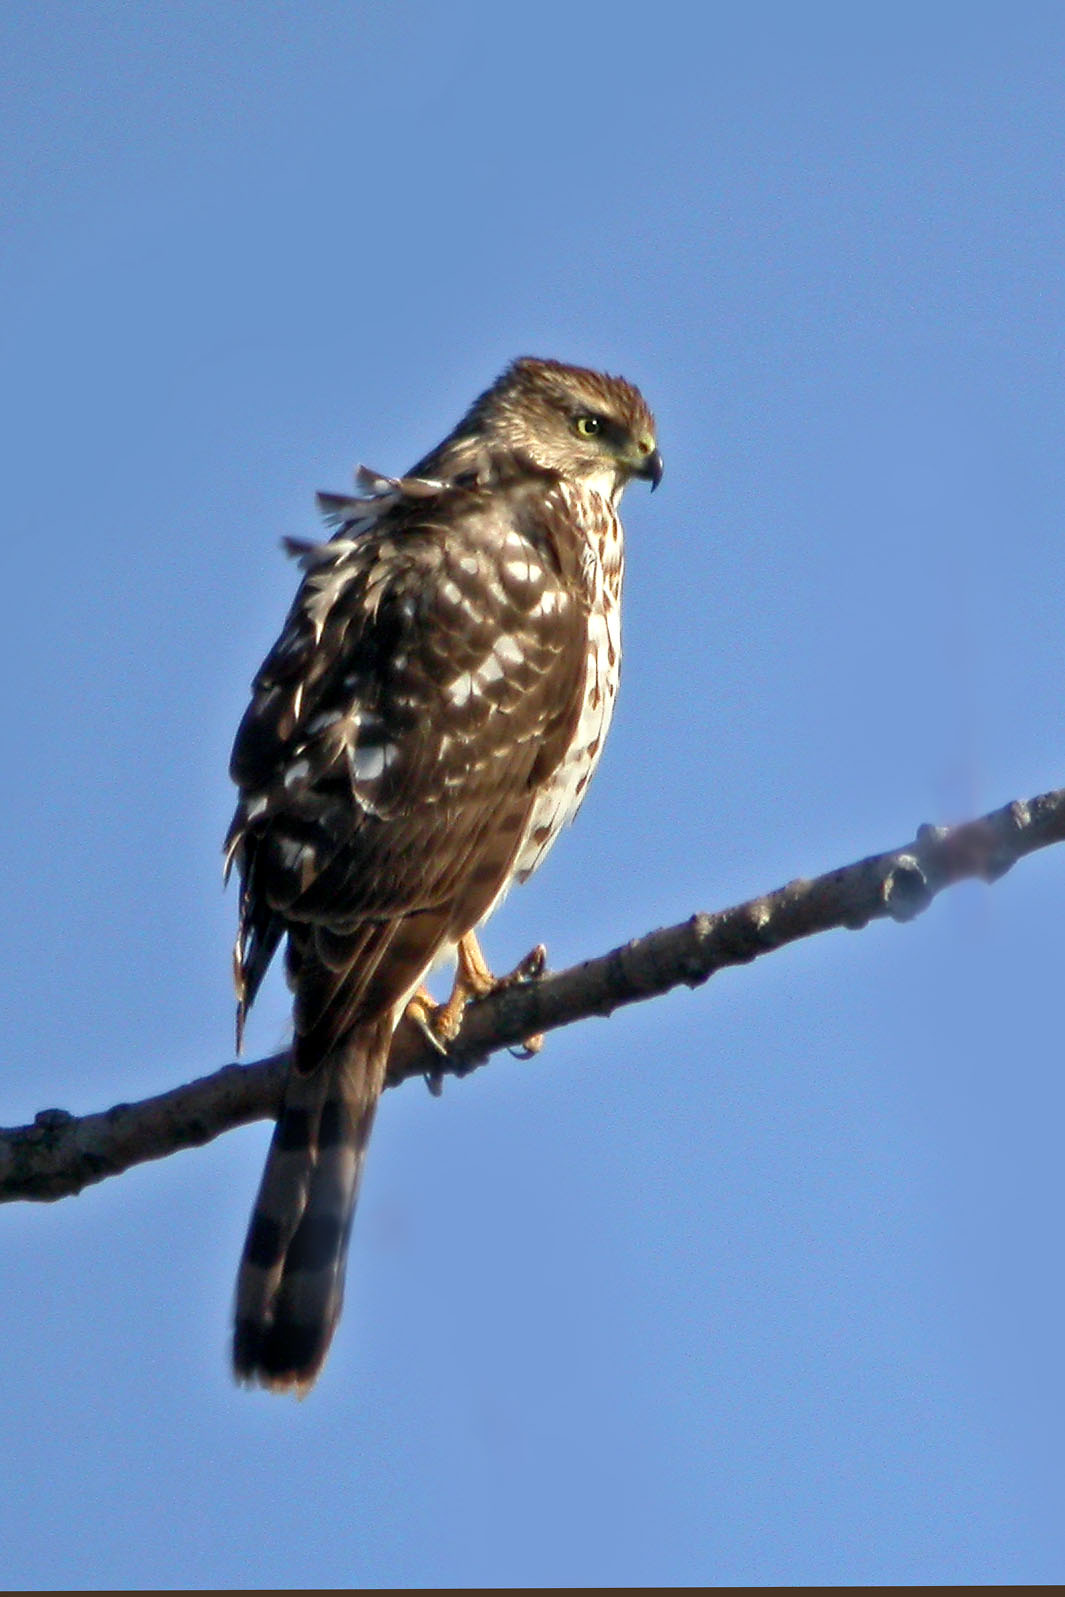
[(426, 723)]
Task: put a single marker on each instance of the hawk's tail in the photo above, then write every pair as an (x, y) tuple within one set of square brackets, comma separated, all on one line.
[(291, 1281)]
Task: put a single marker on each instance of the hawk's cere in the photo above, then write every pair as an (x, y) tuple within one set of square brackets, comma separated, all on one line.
[(427, 721)]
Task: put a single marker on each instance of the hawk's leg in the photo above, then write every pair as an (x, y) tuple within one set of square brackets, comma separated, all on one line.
[(473, 979)]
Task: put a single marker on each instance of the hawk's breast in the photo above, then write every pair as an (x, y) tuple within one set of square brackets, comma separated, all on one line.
[(562, 793)]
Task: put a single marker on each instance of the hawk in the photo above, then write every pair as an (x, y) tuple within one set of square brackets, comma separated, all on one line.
[(426, 723)]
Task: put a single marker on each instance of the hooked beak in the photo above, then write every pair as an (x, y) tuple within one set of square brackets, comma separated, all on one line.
[(651, 469)]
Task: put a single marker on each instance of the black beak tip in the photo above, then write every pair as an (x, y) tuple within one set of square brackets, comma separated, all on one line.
[(654, 469)]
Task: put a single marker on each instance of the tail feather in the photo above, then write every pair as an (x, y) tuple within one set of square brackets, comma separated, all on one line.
[(291, 1282)]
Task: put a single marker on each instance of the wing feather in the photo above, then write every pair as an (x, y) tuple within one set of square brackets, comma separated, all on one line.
[(427, 679)]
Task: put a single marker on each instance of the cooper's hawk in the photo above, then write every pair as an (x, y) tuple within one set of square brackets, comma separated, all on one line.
[(427, 721)]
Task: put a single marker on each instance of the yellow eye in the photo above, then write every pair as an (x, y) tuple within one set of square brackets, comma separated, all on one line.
[(587, 426)]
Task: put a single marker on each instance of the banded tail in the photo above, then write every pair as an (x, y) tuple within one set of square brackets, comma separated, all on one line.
[(291, 1281)]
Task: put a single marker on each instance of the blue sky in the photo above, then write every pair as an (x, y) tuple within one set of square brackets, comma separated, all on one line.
[(761, 1284)]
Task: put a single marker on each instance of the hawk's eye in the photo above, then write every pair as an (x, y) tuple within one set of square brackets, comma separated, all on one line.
[(588, 426)]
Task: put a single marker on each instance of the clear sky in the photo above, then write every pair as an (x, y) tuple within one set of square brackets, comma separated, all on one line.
[(760, 1284)]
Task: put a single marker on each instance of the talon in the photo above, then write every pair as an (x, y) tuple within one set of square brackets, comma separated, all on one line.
[(423, 1012), (529, 1048), (532, 967)]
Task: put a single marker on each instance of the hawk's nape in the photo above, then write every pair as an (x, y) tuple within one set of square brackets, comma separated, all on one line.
[(426, 723)]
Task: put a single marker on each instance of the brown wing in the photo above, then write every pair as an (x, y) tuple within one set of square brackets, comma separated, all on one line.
[(428, 679)]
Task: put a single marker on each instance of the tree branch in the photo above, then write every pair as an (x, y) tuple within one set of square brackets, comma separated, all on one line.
[(60, 1154)]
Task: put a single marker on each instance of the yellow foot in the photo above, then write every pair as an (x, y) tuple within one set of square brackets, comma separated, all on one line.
[(441, 1023)]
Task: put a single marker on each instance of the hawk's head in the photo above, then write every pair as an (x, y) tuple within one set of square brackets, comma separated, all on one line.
[(590, 428)]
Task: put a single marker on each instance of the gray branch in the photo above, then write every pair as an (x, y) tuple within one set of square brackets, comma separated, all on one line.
[(60, 1154)]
